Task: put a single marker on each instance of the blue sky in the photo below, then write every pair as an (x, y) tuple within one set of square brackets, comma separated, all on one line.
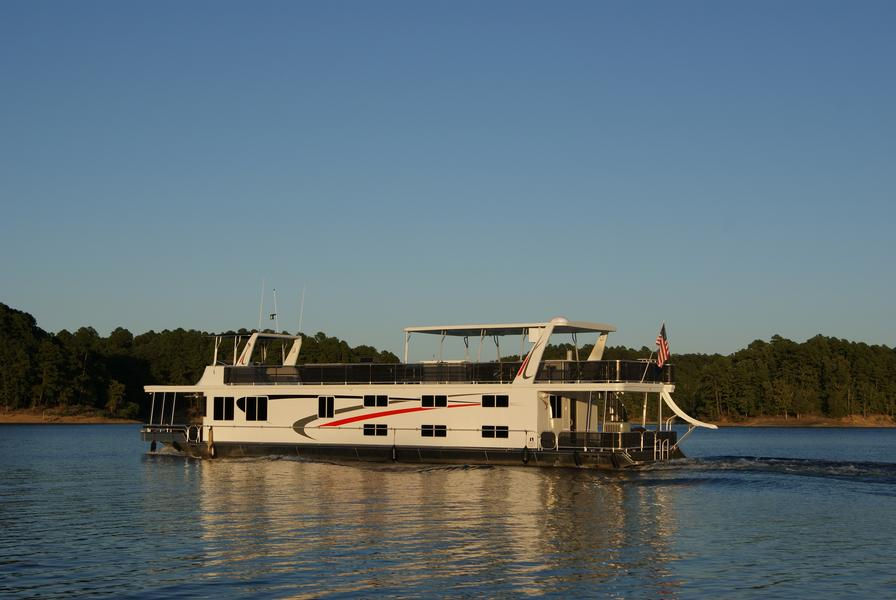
[(728, 168)]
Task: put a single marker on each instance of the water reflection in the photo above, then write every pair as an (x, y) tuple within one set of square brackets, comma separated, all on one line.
[(302, 527), (84, 511)]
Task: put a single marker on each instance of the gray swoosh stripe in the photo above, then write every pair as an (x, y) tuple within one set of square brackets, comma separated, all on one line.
[(299, 426)]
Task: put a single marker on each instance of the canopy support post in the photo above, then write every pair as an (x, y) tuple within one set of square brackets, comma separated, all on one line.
[(588, 415), (407, 339), (644, 412), (603, 424)]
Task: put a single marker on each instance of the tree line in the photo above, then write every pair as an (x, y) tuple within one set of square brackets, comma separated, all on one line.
[(822, 376), (83, 369)]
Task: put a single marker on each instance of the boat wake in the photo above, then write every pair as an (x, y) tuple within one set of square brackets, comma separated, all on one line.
[(870, 472)]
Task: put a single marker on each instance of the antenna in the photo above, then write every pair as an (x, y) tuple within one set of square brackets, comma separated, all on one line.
[(274, 314), (302, 309), (261, 306)]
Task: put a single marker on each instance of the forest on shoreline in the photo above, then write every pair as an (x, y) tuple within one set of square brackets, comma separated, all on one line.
[(823, 376)]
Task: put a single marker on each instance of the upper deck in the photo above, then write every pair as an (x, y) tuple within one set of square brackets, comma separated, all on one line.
[(531, 369), (550, 371)]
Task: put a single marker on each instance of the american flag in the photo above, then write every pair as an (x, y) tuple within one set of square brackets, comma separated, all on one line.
[(662, 355)]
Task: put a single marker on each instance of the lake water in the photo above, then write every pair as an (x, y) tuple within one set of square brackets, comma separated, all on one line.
[(754, 513)]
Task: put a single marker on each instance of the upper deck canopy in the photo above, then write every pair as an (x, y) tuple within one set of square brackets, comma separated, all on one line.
[(560, 324)]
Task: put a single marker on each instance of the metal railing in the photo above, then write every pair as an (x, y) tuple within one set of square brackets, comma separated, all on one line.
[(614, 440), (550, 371)]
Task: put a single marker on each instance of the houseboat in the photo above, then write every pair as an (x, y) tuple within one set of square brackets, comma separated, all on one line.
[(523, 410)]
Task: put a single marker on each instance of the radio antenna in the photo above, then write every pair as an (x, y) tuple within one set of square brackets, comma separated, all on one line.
[(302, 309), (274, 314), (261, 306)]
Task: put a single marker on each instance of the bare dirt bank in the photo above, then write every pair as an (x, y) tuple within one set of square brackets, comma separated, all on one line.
[(28, 416), (813, 421)]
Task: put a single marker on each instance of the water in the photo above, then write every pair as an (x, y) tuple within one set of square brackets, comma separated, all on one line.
[(755, 513)]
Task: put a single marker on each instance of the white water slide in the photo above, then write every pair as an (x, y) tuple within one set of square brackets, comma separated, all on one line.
[(683, 415)]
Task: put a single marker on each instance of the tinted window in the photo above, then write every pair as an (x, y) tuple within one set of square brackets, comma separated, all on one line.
[(325, 407), (433, 430)]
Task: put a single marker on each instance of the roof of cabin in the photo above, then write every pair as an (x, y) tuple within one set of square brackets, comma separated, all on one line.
[(561, 325)]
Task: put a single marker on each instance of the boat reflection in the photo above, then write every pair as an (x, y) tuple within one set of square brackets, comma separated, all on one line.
[(304, 527)]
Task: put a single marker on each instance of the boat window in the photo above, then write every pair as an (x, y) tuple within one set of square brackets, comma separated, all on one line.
[(256, 407), (325, 407), (435, 400), (376, 429), (371, 400), (495, 431), (223, 409), (556, 407), (491, 401), (433, 430)]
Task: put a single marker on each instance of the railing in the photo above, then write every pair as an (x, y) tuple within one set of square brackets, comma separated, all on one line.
[(604, 370), (628, 439), (372, 373), (164, 433)]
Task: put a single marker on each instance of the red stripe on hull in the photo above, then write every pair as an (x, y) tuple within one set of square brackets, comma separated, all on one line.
[(387, 413)]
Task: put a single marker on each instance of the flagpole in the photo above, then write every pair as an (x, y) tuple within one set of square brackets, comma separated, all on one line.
[(643, 376)]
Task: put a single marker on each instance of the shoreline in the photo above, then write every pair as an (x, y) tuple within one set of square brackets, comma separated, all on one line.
[(854, 421), (54, 417)]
